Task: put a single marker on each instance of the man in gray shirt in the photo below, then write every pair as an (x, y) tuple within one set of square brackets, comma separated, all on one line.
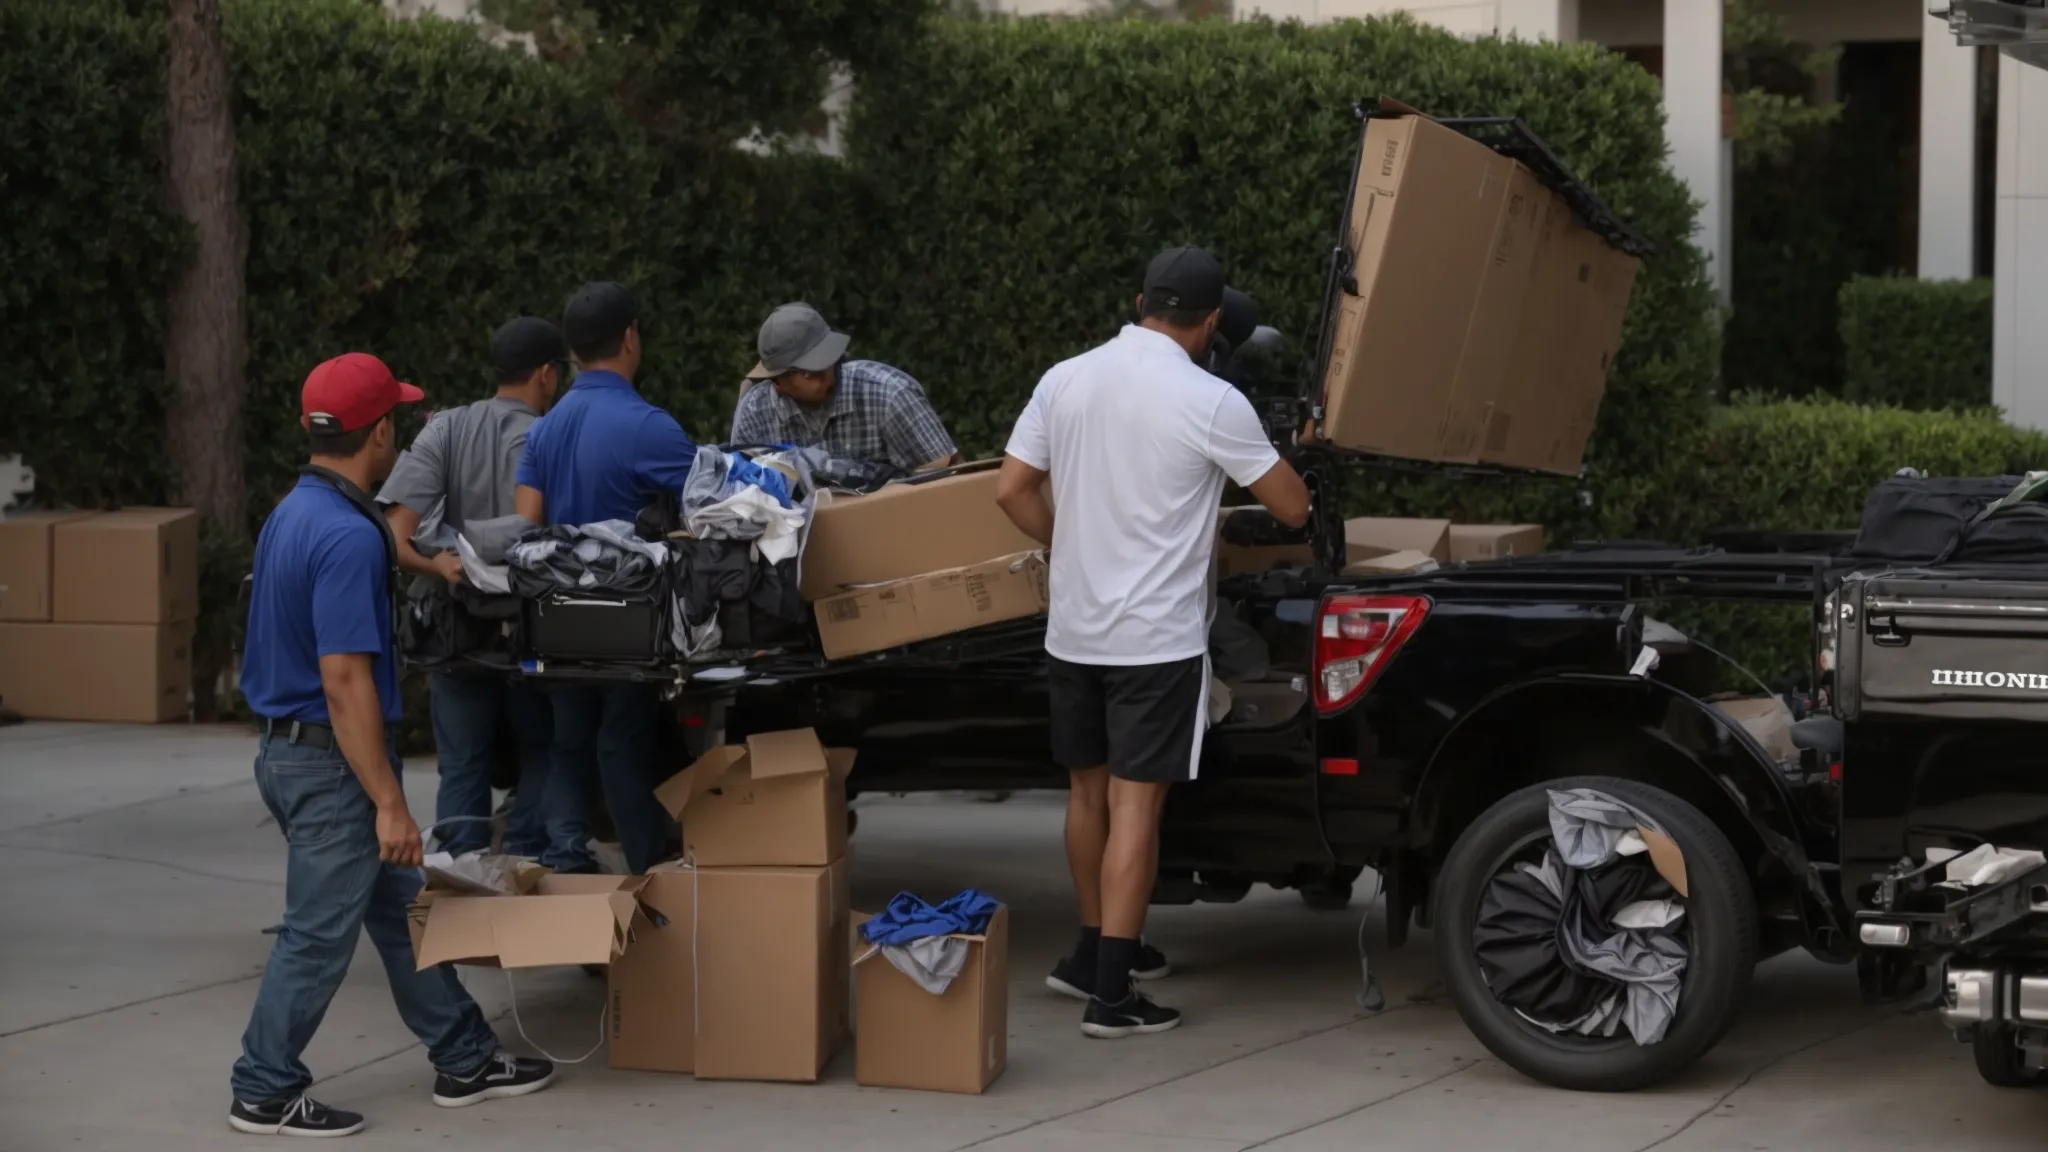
[(459, 472)]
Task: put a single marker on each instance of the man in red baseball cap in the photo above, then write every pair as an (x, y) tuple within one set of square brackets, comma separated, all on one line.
[(321, 672)]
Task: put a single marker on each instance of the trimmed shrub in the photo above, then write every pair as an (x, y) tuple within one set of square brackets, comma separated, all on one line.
[(1917, 343), (1028, 169)]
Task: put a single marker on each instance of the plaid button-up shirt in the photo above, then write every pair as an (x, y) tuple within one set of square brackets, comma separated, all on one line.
[(875, 413)]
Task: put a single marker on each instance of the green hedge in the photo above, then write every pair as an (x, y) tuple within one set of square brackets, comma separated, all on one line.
[(1027, 170), (1917, 343)]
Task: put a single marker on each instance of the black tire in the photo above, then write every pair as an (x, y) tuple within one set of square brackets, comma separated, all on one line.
[(2001, 1061), (1721, 914)]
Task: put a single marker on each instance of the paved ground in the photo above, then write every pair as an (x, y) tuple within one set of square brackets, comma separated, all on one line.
[(140, 871)]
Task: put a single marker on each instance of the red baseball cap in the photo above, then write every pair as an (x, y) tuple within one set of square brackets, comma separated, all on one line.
[(349, 392)]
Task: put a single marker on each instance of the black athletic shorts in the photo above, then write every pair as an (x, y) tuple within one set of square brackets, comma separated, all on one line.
[(1144, 721)]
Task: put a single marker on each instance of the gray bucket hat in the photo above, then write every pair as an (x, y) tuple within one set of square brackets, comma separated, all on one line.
[(796, 337)]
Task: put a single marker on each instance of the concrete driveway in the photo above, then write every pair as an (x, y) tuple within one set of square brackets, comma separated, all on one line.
[(140, 872)]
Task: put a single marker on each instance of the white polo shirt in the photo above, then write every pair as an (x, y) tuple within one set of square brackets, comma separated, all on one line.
[(1138, 441)]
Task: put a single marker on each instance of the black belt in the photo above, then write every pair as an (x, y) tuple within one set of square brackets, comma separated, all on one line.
[(300, 732)]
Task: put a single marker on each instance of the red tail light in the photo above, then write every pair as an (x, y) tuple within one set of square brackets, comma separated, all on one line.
[(1356, 637)]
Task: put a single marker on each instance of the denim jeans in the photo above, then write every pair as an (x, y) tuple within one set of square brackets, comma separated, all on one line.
[(334, 888), (467, 715), (606, 731)]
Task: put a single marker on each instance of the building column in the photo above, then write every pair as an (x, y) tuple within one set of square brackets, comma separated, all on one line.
[(1692, 123), (2019, 362), (1556, 20), (1948, 154)]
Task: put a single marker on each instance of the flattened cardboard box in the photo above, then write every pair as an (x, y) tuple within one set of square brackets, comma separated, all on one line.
[(779, 800), (563, 920), (26, 563), (106, 673), (1471, 542), (135, 566), (773, 967), (905, 1037), (931, 605), (652, 988), (906, 529)]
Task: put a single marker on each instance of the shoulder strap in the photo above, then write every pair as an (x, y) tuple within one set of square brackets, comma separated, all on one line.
[(362, 502)]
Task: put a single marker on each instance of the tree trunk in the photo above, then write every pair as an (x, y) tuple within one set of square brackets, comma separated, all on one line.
[(206, 322)]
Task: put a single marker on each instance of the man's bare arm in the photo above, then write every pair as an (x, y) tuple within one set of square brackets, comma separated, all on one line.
[(528, 502), (404, 524), (941, 462), (358, 721), (1283, 494), (1020, 493)]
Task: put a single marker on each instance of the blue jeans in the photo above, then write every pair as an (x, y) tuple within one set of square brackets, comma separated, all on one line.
[(606, 732), (467, 712), (334, 888)]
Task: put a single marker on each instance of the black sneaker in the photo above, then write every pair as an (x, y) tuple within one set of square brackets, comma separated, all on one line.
[(506, 1075), (1135, 1015), (295, 1116), (1071, 978)]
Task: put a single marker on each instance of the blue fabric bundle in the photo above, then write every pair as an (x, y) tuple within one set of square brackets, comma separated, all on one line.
[(909, 918)]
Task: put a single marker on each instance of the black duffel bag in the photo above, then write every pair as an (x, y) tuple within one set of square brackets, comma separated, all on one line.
[(2014, 534), (1922, 520)]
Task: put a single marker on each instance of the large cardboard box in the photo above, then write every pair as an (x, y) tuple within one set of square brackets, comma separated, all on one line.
[(905, 1037), (653, 984), (119, 673), (1462, 259), (906, 529), (1494, 541), (135, 566), (931, 605), (561, 920), (25, 563), (1370, 537), (777, 800), (773, 967)]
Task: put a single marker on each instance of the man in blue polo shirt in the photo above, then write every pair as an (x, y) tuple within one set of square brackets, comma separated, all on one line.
[(321, 673), (604, 453)]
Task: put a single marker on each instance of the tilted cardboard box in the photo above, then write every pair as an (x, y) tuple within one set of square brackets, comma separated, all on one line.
[(777, 800)]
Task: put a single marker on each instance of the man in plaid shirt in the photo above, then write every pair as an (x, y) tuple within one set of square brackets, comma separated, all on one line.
[(805, 392)]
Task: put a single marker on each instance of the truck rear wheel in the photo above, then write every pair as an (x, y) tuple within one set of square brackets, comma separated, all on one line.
[(1720, 926), (2000, 1059)]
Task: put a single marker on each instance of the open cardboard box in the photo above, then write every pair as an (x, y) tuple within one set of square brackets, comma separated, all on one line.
[(905, 1037), (779, 800), (559, 920)]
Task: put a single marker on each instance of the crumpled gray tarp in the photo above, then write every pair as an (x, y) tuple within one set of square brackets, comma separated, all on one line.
[(1590, 830)]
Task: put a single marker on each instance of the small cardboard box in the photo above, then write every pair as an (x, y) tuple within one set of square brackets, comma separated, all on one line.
[(931, 605), (908, 528), (773, 968), (1471, 542), (561, 920), (108, 673), (1369, 537), (1481, 316), (1390, 564), (25, 563), (777, 800), (905, 1037), (653, 986), (135, 566)]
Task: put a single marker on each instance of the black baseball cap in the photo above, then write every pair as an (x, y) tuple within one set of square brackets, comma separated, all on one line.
[(523, 346), (598, 314), (1240, 317), (1185, 278)]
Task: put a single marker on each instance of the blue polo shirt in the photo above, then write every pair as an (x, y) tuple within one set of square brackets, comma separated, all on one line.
[(322, 588), (602, 452)]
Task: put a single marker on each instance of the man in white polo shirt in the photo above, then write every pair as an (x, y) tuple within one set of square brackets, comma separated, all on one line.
[(1138, 440)]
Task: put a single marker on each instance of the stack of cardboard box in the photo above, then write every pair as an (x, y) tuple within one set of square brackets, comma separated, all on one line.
[(917, 560), (1384, 545), (97, 612), (732, 966)]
